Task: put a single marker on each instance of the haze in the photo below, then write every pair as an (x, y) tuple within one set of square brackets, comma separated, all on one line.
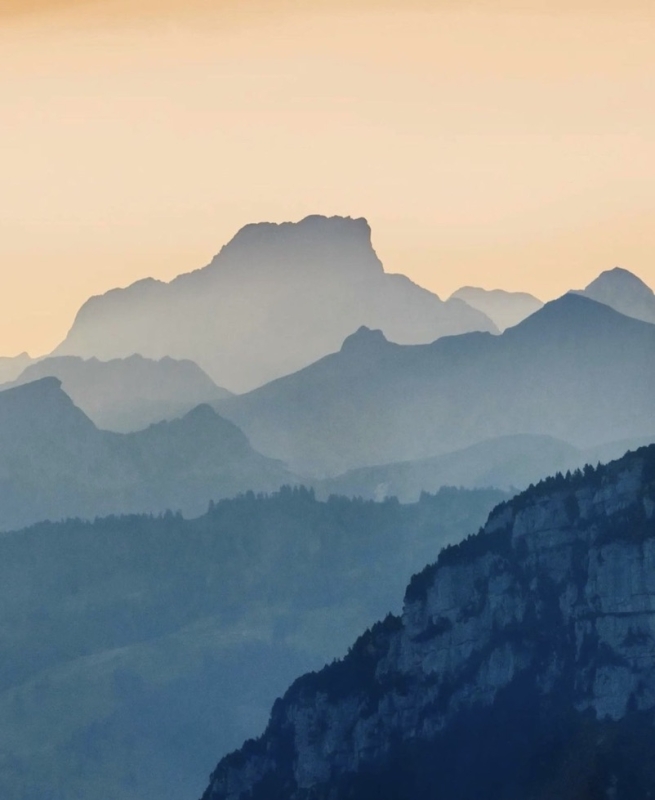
[(486, 146)]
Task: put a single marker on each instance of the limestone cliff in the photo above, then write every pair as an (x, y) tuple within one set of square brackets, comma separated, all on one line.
[(523, 666)]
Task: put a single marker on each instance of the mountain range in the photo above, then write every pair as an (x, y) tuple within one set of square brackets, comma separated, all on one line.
[(273, 300), (136, 649), (510, 463), (127, 394), (521, 667), (575, 370), (55, 463)]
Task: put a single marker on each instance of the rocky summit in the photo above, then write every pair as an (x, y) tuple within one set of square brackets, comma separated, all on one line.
[(522, 668), (273, 300)]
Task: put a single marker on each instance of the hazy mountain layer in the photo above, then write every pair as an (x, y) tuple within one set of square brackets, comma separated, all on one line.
[(12, 366), (131, 393), (505, 309), (275, 298), (575, 370), (135, 650), (55, 463), (624, 292), (507, 462), (523, 666)]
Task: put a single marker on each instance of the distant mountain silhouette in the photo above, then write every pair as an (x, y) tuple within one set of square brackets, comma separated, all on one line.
[(506, 463), (12, 366), (576, 370), (275, 298), (128, 394), (55, 463), (505, 309), (624, 292)]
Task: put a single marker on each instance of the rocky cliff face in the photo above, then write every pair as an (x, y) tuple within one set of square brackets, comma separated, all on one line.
[(523, 666)]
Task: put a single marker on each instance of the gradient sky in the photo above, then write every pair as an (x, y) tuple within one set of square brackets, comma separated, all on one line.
[(502, 144)]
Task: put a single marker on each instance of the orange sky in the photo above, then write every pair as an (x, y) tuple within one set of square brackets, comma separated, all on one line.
[(491, 146)]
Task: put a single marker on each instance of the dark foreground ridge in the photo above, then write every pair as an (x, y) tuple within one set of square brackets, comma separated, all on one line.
[(522, 667)]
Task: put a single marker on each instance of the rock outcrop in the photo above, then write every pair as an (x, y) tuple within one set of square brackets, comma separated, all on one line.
[(523, 666)]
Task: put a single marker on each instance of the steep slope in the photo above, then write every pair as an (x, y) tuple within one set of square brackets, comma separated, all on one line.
[(55, 463), (624, 292), (523, 667), (575, 370), (275, 298), (128, 394), (135, 649), (505, 309)]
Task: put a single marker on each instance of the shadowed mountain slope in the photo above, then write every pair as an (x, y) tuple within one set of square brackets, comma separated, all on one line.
[(55, 463), (576, 370), (624, 292), (136, 649), (275, 298), (505, 309), (128, 394), (523, 666)]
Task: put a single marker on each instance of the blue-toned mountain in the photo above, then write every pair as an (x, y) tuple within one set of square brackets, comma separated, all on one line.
[(523, 666), (55, 463), (127, 394), (575, 370), (624, 292)]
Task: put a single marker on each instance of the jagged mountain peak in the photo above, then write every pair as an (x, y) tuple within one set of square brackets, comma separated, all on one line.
[(363, 339), (312, 225), (314, 245), (276, 298), (47, 385), (44, 391), (39, 407)]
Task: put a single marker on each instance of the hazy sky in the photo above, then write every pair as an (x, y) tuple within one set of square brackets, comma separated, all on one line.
[(502, 144)]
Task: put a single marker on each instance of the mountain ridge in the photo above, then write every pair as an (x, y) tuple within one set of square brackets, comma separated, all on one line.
[(539, 626), (128, 394), (506, 309), (623, 291), (275, 298), (55, 463), (569, 370)]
